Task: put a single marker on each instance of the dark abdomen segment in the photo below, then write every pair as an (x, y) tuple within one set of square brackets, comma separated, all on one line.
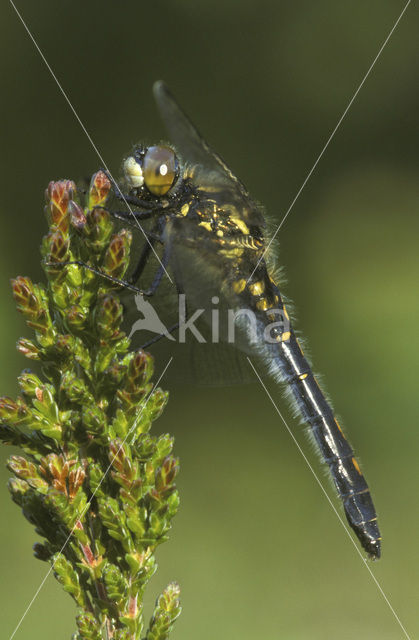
[(288, 363), (334, 447)]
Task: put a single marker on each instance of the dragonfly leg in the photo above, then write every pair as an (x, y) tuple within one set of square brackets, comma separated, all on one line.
[(127, 198), (142, 260), (170, 330), (135, 201), (152, 237), (122, 283), (129, 216), (159, 273)]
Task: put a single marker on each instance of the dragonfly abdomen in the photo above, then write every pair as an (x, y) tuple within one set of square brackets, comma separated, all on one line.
[(333, 445), (288, 364)]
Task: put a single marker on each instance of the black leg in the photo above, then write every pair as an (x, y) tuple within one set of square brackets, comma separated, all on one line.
[(159, 273), (128, 216), (160, 336), (127, 284), (135, 201), (142, 261), (98, 272), (170, 329)]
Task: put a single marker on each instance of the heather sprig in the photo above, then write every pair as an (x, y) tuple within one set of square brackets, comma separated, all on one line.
[(96, 484)]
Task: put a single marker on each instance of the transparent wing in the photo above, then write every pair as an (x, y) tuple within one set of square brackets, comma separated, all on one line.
[(196, 363), (211, 170), (205, 277), (188, 140)]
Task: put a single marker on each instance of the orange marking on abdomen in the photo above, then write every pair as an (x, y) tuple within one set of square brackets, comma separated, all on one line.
[(338, 426), (356, 465)]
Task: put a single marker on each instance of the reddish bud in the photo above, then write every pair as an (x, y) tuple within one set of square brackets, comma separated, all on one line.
[(58, 246), (100, 186), (76, 213), (58, 196), (28, 349)]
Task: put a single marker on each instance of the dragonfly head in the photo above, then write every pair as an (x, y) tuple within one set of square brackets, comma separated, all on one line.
[(153, 170)]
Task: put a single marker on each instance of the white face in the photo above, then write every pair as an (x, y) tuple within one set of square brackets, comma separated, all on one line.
[(133, 173)]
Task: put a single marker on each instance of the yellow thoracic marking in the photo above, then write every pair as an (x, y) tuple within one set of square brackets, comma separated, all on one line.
[(338, 426), (232, 212), (239, 285), (240, 241), (249, 242), (208, 188), (240, 224), (220, 233), (257, 288), (232, 253), (262, 305), (284, 309), (189, 172), (356, 465), (206, 225), (184, 210), (303, 376)]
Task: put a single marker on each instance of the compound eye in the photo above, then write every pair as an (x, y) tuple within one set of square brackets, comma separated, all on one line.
[(160, 167)]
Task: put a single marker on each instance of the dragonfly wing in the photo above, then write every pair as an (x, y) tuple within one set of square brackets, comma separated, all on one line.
[(197, 266), (202, 364), (210, 168), (186, 137), (205, 279)]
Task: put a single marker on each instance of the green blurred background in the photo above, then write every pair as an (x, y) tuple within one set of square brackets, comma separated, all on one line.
[(256, 547)]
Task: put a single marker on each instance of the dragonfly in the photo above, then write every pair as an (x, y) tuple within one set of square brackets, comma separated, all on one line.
[(213, 238)]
